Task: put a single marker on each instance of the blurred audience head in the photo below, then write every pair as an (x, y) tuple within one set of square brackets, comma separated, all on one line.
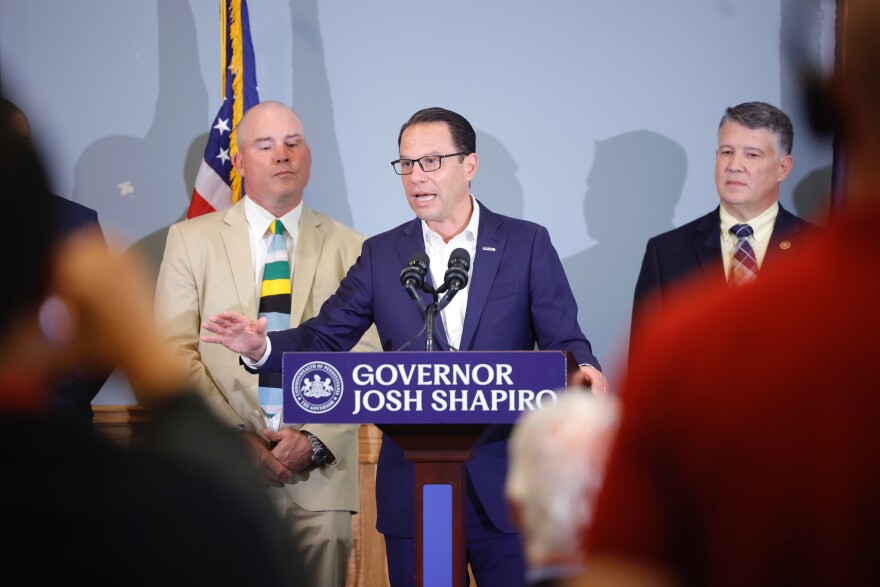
[(30, 235), (557, 457), (15, 117)]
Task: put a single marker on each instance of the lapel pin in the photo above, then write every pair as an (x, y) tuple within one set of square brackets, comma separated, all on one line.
[(489, 249), (785, 245)]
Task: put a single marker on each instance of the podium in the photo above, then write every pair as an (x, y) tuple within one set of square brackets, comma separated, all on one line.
[(438, 407)]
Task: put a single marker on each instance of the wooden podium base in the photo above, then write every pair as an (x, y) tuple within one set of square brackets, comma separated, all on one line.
[(440, 453)]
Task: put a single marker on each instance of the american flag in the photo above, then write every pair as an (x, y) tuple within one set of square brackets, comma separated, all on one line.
[(217, 183)]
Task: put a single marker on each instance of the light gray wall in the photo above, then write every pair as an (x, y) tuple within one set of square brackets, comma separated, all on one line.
[(596, 119)]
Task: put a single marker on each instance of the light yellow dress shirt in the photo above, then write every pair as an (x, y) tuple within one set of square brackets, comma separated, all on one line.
[(762, 229)]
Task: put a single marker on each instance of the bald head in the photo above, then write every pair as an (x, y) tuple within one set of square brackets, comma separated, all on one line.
[(257, 115), (273, 157)]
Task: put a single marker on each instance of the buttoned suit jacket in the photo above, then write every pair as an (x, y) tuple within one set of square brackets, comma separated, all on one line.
[(208, 269), (694, 250), (519, 298)]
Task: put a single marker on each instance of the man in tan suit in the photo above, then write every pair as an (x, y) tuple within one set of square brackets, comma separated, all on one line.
[(214, 263)]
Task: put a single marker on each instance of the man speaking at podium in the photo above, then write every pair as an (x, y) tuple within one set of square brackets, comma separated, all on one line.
[(517, 298)]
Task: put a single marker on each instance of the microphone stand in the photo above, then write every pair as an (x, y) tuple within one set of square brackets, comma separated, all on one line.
[(430, 311)]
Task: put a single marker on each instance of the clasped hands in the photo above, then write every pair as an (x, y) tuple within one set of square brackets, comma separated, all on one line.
[(279, 465)]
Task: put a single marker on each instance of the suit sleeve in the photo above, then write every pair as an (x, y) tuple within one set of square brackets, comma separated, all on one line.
[(647, 300), (369, 342), (553, 306), (178, 312), (342, 439), (343, 321)]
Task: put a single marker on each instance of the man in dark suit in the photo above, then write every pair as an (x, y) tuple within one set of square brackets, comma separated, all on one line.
[(752, 160), (69, 216), (75, 390), (769, 477), (518, 297)]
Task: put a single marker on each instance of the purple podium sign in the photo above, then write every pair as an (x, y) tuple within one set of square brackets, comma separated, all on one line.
[(437, 406), (477, 387)]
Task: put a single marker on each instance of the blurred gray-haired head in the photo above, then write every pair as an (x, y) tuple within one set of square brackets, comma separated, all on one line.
[(556, 464)]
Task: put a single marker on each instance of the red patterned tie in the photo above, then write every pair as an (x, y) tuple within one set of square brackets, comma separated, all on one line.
[(744, 268)]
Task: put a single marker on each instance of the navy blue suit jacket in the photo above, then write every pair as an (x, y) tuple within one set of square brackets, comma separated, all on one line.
[(70, 216), (695, 249), (74, 392), (519, 298)]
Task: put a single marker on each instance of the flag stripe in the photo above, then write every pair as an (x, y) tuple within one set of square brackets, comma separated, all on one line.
[(218, 185)]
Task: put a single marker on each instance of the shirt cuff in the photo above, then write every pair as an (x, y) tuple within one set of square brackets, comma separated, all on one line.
[(262, 361)]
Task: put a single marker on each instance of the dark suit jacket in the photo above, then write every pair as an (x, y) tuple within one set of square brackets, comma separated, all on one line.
[(70, 216), (75, 392), (519, 297), (695, 249)]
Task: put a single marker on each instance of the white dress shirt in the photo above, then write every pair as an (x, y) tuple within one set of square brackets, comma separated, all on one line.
[(259, 221), (438, 252)]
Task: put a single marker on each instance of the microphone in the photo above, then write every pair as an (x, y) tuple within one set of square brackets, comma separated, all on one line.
[(456, 278), (412, 278)]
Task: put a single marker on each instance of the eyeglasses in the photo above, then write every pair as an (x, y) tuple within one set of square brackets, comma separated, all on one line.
[(427, 163)]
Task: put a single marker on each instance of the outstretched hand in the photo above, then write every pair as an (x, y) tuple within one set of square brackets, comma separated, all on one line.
[(238, 334)]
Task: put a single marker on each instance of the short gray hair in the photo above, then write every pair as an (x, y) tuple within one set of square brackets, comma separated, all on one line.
[(557, 461), (755, 115)]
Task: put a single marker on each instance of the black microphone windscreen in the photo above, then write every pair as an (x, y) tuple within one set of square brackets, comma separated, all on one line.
[(462, 256), (413, 275), (421, 258)]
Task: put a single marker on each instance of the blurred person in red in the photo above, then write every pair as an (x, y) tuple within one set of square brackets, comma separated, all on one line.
[(749, 456)]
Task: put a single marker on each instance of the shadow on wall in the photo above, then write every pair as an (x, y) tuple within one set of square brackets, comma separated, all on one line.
[(495, 184), (633, 188), (812, 196), (801, 57), (138, 184), (312, 100), (152, 246)]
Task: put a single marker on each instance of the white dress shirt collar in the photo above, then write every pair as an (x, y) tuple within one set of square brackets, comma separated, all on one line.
[(762, 229), (438, 252), (259, 221)]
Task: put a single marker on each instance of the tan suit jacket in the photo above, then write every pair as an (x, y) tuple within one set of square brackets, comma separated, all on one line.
[(208, 269)]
